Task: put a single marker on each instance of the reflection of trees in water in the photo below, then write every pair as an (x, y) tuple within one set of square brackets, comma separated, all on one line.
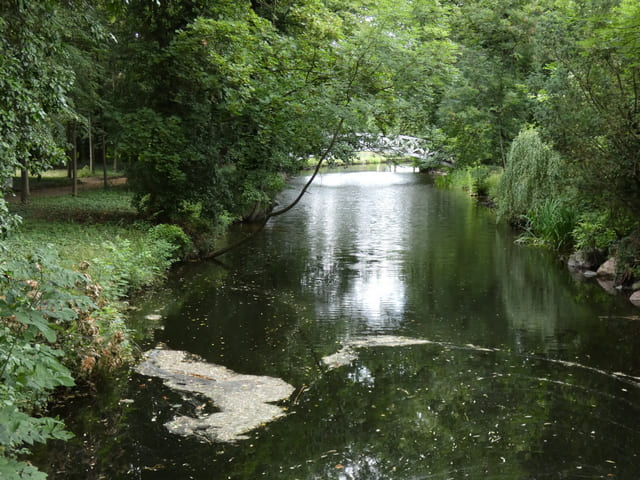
[(454, 290), (536, 302)]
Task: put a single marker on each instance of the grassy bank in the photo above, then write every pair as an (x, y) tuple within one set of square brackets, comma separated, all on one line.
[(65, 276)]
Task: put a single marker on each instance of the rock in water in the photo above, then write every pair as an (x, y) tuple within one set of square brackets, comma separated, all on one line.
[(608, 268), (245, 401)]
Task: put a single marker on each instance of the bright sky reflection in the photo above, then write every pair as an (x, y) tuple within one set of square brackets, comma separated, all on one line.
[(372, 291)]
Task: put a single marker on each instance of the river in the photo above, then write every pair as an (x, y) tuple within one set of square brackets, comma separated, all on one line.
[(528, 373)]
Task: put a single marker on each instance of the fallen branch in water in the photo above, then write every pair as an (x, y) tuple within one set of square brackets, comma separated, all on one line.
[(275, 213)]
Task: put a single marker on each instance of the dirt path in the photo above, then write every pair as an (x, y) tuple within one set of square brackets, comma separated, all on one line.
[(84, 184)]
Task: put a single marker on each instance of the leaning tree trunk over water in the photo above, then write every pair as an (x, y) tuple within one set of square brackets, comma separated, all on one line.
[(284, 210)]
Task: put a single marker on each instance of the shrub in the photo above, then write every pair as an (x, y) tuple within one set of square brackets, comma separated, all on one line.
[(628, 259), (593, 232), (174, 236), (38, 298), (124, 266), (491, 182), (476, 180)]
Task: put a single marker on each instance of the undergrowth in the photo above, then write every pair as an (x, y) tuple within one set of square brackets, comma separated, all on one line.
[(64, 274)]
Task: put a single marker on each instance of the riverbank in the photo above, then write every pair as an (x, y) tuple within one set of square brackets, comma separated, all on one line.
[(593, 242), (66, 276)]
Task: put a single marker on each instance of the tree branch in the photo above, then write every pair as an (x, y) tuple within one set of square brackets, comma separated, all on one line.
[(323, 157)]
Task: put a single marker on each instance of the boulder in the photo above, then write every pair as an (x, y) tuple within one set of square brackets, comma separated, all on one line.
[(608, 268), (579, 261), (635, 298), (635, 286)]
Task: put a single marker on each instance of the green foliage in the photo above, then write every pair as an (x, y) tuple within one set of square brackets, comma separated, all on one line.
[(491, 183), (550, 223), (627, 253), (594, 231), (487, 101), (157, 176), (124, 266), (174, 236), (587, 96), (531, 177), (38, 299), (8, 221), (476, 180), (33, 82), (91, 207), (11, 469)]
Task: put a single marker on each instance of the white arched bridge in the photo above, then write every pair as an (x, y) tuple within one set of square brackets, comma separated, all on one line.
[(400, 145)]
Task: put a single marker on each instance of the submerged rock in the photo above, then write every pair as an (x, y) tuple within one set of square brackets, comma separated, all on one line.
[(607, 285), (245, 401), (347, 353)]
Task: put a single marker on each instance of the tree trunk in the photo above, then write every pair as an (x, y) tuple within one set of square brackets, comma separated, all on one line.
[(69, 153), (104, 161), (74, 161), (24, 190), (90, 147), (115, 160)]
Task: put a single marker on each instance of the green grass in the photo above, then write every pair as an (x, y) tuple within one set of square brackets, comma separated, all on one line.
[(98, 232), (93, 206)]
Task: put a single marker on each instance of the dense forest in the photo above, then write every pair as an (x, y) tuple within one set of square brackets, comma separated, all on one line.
[(210, 104)]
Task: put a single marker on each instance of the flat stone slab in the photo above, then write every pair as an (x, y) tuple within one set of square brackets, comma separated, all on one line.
[(348, 353), (245, 401)]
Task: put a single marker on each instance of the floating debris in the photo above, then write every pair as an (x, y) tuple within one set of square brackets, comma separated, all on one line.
[(245, 401), (347, 353)]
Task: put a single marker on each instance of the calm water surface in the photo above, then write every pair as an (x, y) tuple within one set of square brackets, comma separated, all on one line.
[(530, 376)]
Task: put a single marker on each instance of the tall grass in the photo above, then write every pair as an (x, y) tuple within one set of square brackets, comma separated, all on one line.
[(478, 180), (551, 223)]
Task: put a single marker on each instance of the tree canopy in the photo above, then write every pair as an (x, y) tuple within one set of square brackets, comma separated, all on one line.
[(210, 103)]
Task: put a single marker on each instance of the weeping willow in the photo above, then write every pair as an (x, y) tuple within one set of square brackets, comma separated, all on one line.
[(532, 175)]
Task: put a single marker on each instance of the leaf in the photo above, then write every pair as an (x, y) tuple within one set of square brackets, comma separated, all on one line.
[(36, 319), (11, 469)]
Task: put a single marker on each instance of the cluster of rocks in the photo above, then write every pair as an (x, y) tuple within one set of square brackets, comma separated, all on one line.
[(604, 272)]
